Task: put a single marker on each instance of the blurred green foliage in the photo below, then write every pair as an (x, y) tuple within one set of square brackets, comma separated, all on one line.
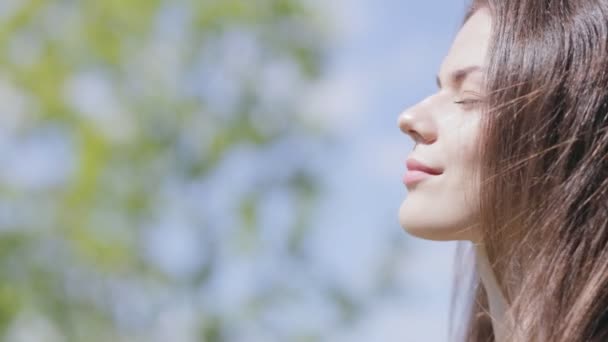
[(136, 104)]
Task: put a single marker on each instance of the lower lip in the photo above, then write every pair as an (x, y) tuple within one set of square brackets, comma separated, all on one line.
[(412, 177)]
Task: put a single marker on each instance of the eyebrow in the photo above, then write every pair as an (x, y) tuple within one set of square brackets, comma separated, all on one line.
[(457, 77)]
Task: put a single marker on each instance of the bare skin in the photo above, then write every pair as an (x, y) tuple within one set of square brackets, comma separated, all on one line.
[(445, 129)]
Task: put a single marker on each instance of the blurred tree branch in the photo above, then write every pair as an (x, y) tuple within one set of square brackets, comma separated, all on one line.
[(148, 100)]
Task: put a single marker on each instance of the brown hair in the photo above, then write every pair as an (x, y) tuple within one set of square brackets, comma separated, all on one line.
[(544, 170)]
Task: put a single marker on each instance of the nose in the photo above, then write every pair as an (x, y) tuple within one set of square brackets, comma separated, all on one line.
[(417, 122)]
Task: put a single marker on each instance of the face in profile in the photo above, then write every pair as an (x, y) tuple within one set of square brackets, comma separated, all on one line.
[(441, 203)]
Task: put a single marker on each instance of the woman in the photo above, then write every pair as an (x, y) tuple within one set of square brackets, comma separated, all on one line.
[(511, 153)]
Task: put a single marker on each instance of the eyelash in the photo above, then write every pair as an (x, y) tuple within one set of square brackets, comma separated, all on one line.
[(467, 102)]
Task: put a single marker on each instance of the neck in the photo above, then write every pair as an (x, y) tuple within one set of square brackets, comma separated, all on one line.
[(496, 300)]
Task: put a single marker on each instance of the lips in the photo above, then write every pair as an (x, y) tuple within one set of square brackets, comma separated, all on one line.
[(417, 171), (415, 165)]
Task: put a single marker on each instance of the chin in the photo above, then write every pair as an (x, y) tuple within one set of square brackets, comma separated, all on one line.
[(419, 217), (423, 224), (436, 234)]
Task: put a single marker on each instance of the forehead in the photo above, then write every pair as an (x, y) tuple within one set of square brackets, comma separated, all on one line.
[(471, 43)]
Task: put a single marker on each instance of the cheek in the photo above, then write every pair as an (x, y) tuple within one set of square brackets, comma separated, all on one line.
[(462, 152)]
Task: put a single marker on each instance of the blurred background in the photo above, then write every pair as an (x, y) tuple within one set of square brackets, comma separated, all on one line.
[(215, 170)]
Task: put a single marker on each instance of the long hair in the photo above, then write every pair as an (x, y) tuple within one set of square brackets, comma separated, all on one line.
[(544, 170)]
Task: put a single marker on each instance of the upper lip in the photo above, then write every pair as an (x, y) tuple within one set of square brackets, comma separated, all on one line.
[(413, 164)]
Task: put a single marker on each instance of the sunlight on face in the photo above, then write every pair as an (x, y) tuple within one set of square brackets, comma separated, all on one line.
[(441, 203)]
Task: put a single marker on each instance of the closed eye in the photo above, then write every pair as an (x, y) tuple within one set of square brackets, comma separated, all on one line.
[(467, 101), (473, 99)]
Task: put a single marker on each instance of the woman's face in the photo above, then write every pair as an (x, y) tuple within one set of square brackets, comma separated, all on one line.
[(441, 203)]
